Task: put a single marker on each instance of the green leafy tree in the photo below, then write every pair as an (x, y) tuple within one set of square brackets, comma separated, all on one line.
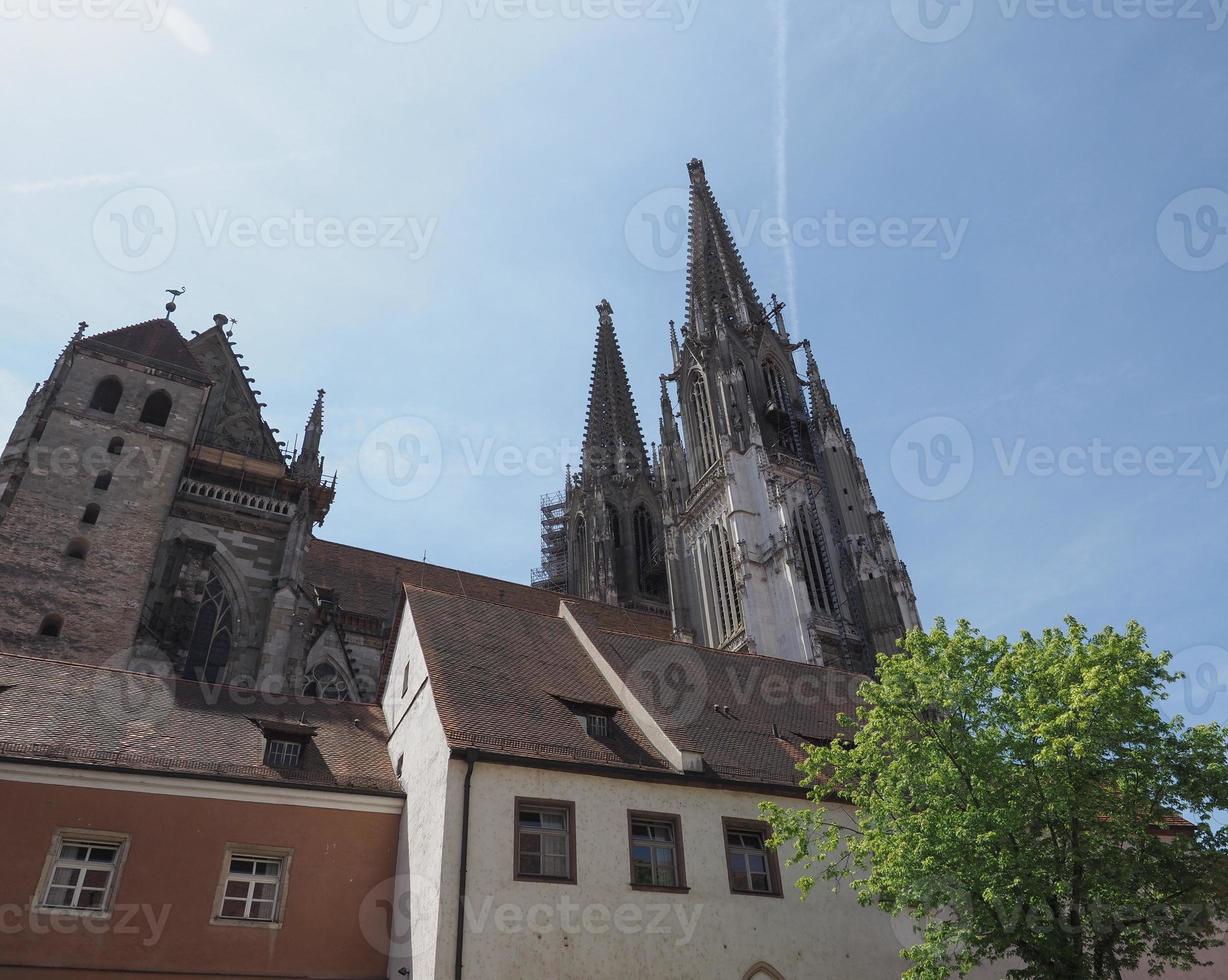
[(1018, 801)]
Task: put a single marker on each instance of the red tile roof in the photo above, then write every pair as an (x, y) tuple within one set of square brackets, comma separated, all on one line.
[(369, 583), (157, 343), (502, 677), (91, 716)]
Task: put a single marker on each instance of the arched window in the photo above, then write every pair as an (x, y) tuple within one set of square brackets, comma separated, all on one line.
[(209, 649), (703, 430), (580, 556), (763, 971), (615, 525), (723, 605), (51, 625), (91, 514), (157, 408), (810, 558), (777, 392), (77, 548), (103, 480), (645, 541), (324, 682), (107, 395), (116, 446)]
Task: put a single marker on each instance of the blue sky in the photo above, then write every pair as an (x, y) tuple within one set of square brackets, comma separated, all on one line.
[(507, 164)]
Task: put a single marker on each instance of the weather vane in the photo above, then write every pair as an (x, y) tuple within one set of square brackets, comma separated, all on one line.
[(175, 294)]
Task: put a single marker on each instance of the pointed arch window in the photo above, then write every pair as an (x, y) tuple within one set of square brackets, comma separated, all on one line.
[(324, 681), (615, 525), (645, 542), (157, 409), (212, 634), (580, 556), (107, 395), (703, 428), (780, 405), (810, 558), (723, 604)]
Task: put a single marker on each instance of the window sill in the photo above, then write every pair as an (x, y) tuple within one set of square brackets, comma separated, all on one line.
[(679, 890), (736, 891), (218, 920), (533, 880), (72, 913)]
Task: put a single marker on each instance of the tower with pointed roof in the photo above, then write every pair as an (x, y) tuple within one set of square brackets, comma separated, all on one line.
[(609, 543), (774, 541)]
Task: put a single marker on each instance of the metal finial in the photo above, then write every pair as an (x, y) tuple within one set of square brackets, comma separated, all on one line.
[(175, 294)]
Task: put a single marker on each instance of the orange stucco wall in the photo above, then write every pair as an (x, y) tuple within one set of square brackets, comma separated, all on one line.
[(336, 903)]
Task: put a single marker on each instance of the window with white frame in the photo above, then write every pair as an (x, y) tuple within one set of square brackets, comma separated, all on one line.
[(252, 887), (656, 851), (596, 725), (82, 873), (283, 753)]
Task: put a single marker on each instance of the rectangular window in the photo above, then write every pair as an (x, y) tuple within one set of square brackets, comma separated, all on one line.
[(252, 888), (656, 851), (753, 868), (596, 725), (282, 753), (545, 847), (82, 872)]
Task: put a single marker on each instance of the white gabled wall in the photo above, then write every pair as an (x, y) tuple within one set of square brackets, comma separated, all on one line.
[(423, 918)]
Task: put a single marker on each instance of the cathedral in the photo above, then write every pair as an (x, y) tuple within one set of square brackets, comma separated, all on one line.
[(351, 754), (753, 524)]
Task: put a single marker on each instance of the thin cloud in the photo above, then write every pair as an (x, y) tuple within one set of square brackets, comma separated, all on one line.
[(187, 31)]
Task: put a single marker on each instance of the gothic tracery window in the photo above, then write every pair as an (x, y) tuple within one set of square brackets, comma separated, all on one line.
[(326, 683), (645, 541), (703, 429), (580, 557), (723, 602), (212, 634), (810, 558)]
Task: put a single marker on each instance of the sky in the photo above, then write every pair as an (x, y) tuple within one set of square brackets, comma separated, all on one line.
[(1003, 224)]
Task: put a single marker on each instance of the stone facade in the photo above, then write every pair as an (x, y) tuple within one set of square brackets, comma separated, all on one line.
[(149, 515), (771, 539)]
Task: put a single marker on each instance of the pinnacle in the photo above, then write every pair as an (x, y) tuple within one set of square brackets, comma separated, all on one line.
[(612, 437)]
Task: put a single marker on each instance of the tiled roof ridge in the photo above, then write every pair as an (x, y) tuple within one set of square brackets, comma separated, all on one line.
[(587, 603), (176, 679), (731, 653), (142, 323)]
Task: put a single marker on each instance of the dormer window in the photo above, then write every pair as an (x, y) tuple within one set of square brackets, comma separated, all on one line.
[(285, 742), (598, 726), (282, 753)]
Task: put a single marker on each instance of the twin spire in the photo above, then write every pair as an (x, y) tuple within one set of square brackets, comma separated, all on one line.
[(719, 289), (613, 441)]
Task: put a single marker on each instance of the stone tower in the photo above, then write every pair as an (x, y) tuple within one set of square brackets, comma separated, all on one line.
[(774, 541), (89, 476), (149, 516), (609, 543)]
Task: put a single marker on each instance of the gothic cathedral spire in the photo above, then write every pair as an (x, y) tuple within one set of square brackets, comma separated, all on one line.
[(613, 442)]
